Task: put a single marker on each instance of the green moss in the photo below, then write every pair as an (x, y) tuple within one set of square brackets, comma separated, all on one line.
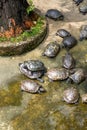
[(12, 96), (2, 39), (26, 34)]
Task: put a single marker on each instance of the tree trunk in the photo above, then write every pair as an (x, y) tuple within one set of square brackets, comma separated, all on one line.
[(12, 13)]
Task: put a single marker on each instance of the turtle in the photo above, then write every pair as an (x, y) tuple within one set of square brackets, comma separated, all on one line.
[(31, 87), (71, 95), (69, 42), (78, 76), (77, 2), (54, 14), (51, 50), (34, 65), (84, 27), (83, 9), (62, 33), (84, 98), (32, 69), (68, 61), (57, 74), (83, 33)]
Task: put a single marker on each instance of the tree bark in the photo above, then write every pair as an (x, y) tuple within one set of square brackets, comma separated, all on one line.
[(12, 13)]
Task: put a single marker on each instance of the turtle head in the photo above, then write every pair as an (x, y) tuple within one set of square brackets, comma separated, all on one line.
[(20, 64), (41, 90)]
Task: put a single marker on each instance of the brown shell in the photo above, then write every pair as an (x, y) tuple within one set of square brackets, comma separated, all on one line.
[(84, 98), (71, 95), (58, 74), (68, 61), (78, 76), (52, 49), (31, 86)]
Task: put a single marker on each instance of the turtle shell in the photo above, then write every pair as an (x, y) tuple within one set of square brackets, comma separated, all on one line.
[(57, 74), (83, 9), (84, 98), (77, 2), (68, 61), (83, 35), (54, 14), (63, 33), (78, 76), (30, 74), (52, 49), (71, 95), (34, 65), (69, 42), (84, 27), (31, 87)]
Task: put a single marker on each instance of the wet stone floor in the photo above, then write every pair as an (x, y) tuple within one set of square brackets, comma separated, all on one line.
[(47, 111)]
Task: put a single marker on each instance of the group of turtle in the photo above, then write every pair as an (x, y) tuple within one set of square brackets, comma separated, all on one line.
[(35, 69), (82, 8)]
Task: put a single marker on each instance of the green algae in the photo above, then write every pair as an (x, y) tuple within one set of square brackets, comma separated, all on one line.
[(49, 112), (11, 96)]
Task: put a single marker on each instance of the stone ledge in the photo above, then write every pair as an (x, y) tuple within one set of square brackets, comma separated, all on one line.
[(9, 48)]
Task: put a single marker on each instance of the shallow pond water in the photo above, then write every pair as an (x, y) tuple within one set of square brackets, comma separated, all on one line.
[(47, 111)]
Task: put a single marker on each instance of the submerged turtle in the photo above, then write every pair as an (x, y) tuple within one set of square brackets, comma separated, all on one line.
[(83, 33), (71, 95), (84, 98), (54, 14), (33, 69), (83, 9), (31, 87), (63, 33), (68, 61), (69, 42), (78, 76), (57, 74), (51, 49), (77, 2)]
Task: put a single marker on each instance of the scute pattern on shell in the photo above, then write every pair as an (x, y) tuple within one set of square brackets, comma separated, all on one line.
[(52, 49), (68, 61), (34, 65), (71, 95), (57, 74), (69, 42), (83, 33), (31, 86), (83, 9), (54, 14), (78, 76), (63, 33), (30, 74)]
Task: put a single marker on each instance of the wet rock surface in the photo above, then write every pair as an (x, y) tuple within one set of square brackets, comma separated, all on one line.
[(24, 111)]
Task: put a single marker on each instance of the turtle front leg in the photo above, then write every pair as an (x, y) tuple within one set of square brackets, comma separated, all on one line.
[(41, 80)]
